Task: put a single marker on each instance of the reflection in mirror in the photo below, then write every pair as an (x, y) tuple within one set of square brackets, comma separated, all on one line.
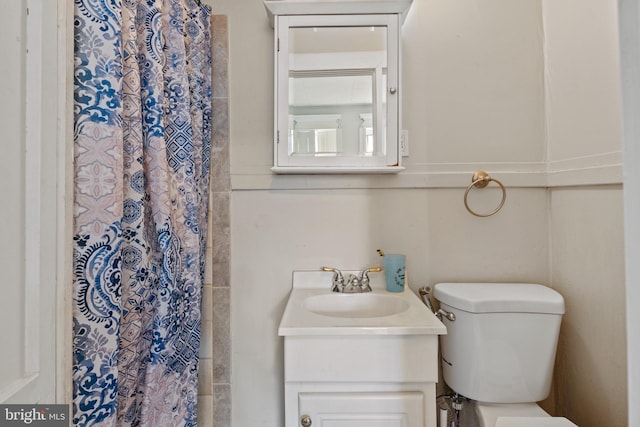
[(337, 95), (315, 135)]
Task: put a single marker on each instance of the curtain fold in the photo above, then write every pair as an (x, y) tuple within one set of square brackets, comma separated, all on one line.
[(142, 157)]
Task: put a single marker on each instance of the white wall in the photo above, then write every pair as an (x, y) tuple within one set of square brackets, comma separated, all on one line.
[(587, 246), (473, 78), (475, 98), (583, 107), (472, 95), (276, 232), (582, 79)]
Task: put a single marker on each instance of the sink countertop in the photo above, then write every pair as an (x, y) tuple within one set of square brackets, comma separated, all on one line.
[(298, 320)]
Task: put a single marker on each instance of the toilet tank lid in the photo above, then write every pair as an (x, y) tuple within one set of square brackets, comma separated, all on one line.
[(500, 297)]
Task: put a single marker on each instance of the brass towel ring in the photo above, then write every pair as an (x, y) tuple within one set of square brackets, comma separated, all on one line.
[(481, 179)]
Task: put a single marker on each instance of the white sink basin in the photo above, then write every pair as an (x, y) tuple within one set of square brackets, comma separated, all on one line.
[(355, 305), (313, 310)]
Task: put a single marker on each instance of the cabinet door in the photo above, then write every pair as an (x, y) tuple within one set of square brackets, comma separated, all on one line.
[(394, 409)]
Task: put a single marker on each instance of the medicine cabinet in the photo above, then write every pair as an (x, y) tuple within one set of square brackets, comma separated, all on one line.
[(337, 86)]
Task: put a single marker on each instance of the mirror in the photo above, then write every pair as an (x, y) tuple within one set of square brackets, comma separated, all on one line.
[(336, 94), (331, 111)]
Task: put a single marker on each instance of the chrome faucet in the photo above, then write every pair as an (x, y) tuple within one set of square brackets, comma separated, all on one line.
[(364, 277), (353, 286), (355, 283), (338, 280)]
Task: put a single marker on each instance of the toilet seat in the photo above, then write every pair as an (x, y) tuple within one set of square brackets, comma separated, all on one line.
[(534, 422)]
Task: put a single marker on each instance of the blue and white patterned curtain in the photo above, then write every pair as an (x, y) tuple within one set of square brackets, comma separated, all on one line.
[(142, 148)]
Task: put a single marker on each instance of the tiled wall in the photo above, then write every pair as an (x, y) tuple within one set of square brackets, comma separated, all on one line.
[(214, 394)]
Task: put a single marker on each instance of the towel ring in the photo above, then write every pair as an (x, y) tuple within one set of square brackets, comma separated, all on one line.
[(481, 179)]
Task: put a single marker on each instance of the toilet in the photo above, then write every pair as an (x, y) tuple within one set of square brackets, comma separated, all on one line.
[(500, 349)]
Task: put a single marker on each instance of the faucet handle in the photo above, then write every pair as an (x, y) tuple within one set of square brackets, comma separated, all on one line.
[(338, 279), (364, 277), (365, 273), (335, 271)]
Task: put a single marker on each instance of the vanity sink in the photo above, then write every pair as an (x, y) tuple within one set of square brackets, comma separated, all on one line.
[(356, 305), (313, 309), (358, 358)]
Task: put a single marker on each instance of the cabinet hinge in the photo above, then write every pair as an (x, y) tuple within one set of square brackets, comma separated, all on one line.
[(278, 137), (278, 47)]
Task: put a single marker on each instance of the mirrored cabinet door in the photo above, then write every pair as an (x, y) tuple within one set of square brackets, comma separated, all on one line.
[(337, 94)]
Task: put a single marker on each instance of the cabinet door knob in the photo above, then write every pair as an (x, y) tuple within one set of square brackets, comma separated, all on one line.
[(392, 90), (305, 421)]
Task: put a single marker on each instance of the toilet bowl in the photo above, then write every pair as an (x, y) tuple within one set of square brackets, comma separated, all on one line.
[(517, 415), (500, 349)]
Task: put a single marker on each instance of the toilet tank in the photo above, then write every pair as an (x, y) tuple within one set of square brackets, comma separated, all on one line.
[(501, 346)]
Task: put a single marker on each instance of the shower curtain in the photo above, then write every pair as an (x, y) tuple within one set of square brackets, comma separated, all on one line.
[(142, 110)]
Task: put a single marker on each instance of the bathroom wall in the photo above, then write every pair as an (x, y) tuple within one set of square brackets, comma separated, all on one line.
[(588, 269), (275, 232), (475, 98), (586, 235)]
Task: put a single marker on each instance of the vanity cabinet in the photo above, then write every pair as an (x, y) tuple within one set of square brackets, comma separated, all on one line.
[(348, 367), (357, 380), (337, 85)]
